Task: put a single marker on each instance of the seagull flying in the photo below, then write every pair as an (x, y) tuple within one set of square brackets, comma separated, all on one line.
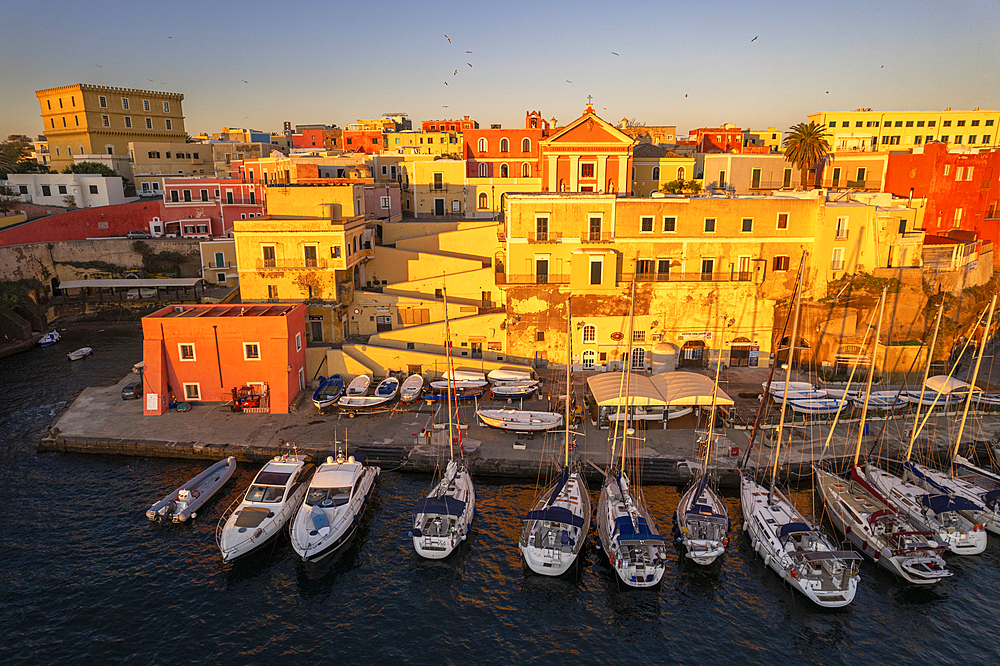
[(456, 72), (98, 65), (445, 106), (448, 38), (244, 80), (568, 81), (446, 83), (754, 39), (469, 64), (613, 53), (468, 51)]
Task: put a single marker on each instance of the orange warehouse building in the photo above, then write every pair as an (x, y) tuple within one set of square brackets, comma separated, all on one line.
[(200, 353)]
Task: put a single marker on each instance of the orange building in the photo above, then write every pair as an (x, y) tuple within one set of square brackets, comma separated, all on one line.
[(200, 353), (587, 155)]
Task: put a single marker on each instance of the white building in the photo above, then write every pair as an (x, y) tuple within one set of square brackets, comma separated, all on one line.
[(51, 189)]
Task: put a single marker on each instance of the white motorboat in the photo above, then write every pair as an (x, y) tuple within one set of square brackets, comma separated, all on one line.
[(358, 386), (184, 502), (82, 352), (338, 494), (514, 390), (930, 512), (813, 406), (49, 338), (411, 389), (443, 518), (795, 549), (880, 532), (509, 376), (518, 420), (384, 394), (266, 507)]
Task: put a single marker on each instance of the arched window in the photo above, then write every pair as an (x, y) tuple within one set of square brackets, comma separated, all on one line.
[(680, 173), (525, 169), (656, 173), (484, 170), (503, 170), (484, 201), (526, 145), (589, 358), (611, 186), (69, 150), (589, 333), (482, 145), (504, 145)]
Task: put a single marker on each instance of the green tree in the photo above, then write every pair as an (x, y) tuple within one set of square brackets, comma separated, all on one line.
[(806, 147), (69, 201), (91, 167), (14, 155), (8, 198)]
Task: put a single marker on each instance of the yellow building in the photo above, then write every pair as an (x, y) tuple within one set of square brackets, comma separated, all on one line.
[(770, 138), (413, 142), (874, 131), (310, 247), (154, 161), (436, 188), (655, 166), (84, 119)]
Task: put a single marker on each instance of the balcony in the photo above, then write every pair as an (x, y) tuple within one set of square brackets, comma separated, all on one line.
[(228, 264), (841, 234), (842, 183), (304, 264), (551, 278), (501, 232), (837, 265), (597, 237), (545, 237), (720, 276)]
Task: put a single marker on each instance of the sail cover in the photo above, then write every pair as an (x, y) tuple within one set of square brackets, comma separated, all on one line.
[(944, 503), (629, 536), (556, 514), (793, 528), (442, 506)]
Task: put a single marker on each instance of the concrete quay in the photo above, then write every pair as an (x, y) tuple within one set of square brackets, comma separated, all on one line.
[(98, 421)]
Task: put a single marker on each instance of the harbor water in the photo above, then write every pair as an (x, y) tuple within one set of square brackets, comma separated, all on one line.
[(88, 578)]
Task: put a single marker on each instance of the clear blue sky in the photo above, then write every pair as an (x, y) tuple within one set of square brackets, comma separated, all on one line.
[(679, 64)]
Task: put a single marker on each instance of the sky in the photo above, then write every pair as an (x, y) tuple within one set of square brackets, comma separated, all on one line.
[(756, 64)]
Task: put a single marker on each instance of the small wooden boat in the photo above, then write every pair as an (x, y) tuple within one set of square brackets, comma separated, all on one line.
[(514, 390), (815, 406), (411, 389), (359, 385), (49, 338), (182, 503), (328, 391), (464, 376), (384, 393), (518, 420), (805, 394), (779, 387), (882, 401), (461, 390), (509, 376), (80, 353)]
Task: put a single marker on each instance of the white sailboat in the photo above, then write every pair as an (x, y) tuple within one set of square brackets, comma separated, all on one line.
[(701, 521), (628, 535), (795, 549), (443, 518), (556, 528)]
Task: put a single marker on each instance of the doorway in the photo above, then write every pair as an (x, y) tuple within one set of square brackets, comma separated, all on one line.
[(739, 353), (692, 354), (439, 206), (383, 323)]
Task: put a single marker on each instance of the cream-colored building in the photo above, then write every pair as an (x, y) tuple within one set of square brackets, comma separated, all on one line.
[(414, 142), (875, 131), (84, 119), (154, 161), (770, 138), (654, 166)]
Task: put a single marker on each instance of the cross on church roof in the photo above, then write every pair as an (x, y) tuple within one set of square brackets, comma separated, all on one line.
[(589, 98)]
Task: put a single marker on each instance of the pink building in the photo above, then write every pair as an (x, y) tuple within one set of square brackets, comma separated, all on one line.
[(206, 207)]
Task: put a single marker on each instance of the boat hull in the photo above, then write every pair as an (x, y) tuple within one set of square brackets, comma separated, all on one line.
[(647, 567), (510, 419), (202, 487), (538, 544), (343, 526), (435, 535), (703, 536)]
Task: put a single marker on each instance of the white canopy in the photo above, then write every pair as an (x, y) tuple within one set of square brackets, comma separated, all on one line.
[(944, 384), (130, 283), (688, 388), (608, 390)]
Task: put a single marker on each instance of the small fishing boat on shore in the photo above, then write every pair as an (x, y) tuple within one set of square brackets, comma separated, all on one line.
[(813, 406), (358, 386), (514, 390), (385, 392), (882, 401), (80, 353), (459, 390), (49, 338), (519, 420), (184, 502), (328, 391), (411, 388)]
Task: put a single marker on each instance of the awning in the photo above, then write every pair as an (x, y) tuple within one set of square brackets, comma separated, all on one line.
[(944, 384), (178, 283), (687, 388), (608, 390)]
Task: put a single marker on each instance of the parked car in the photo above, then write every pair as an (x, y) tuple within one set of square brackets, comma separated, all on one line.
[(132, 392), (144, 292), (138, 233)]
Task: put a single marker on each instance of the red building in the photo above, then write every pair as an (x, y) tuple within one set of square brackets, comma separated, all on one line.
[(587, 155), (506, 153), (203, 207), (308, 138), (717, 139), (961, 189), (463, 125), (200, 353), (371, 142), (84, 223)]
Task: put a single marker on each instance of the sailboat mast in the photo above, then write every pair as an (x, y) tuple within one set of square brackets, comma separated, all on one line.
[(975, 373), (451, 373), (711, 415), (871, 376), (788, 374), (628, 370), (569, 368), (923, 386)]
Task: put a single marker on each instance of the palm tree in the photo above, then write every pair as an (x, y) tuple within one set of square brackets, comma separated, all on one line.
[(806, 147)]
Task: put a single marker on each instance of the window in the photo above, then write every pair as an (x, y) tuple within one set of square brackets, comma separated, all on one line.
[(539, 336), (909, 123), (525, 170), (169, 126), (931, 123), (76, 120), (541, 228), (755, 179), (920, 123), (947, 169), (483, 203), (958, 138), (62, 189), (125, 103), (986, 138), (837, 263), (482, 145), (64, 121), (709, 225), (145, 105), (253, 197), (958, 173), (204, 195), (93, 188), (22, 189), (383, 202), (662, 269), (103, 101), (526, 145), (669, 224), (893, 140), (972, 138), (185, 351), (484, 170), (586, 171), (782, 221), (858, 123), (899, 123), (594, 228), (268, 255), (786, 178), (781, 262), (175, 195), (504, 145), (128, 121), (644, 266), (106, 121), (707, 268), (46, 192), (680, 173), (646, 224), (968, 173), (917, 140), (958, 218), (192, 391), (960, 123), (945, 138), (842, 228), (747, 225), (989, 123), (656, 173), (596, 270), (589, 333), (504, 171), (229, 196), (638, 336), (251, 351), (149, 123), (945, 123), (722, 179), (335, 252), (309, 252)]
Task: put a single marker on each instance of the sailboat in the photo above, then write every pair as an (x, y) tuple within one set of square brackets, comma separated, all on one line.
[(701, 521), (443, 518), (556, 528), (628, 534), (930, 510), (794, 548), (875, 527)]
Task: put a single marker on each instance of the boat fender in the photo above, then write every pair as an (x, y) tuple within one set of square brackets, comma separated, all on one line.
[(793, 572), (196, 493), (193, 516), (725, 541), (978, 527)]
